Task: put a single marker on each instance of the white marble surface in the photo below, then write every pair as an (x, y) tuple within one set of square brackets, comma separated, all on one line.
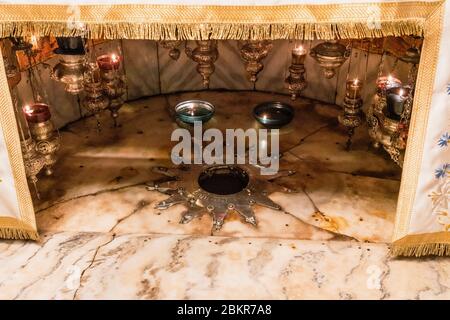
[(102, 238), (70, 265), (98, 184)]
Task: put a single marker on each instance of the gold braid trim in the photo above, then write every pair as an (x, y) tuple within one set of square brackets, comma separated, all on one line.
[(417, 245), (24, 227), (194, 22), (11, 228), (418, 130)]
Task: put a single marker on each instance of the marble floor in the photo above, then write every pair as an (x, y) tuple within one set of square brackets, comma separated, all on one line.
[(101, 236)]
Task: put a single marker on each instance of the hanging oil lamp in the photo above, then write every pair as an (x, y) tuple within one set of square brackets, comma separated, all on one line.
[(13, 74), (351, 116), (12, 68), (71, 66), (296, 81), (43, 132), (33, 161), (389, 115), (253, 52), (113, 82), (205, 54), (95, 100), (383, 121), (330, 56), (172, 46)]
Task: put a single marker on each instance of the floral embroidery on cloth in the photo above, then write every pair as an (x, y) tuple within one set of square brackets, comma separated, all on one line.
[(440, 197), (444, 141)]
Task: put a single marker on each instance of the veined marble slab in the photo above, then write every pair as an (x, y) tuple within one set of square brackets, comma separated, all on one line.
[(131, 210), (98, 185), (72, 265)]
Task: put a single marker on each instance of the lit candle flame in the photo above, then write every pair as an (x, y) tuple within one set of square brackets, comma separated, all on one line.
[(299, 49), (389, 78), (265, 117), (34, 41), (114, 58), (355, 82), (28, 109), (401, 92)]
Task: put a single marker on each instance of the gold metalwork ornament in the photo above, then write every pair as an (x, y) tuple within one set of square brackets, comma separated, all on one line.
[(205, 54), (330, 56), (187, 190), (351, 116), (95, 100), (253, 52), (33, 161), (115, 90), (172, 46), (12, 73), (70, 71), (114, 87), (382, 129), (47, 142), (296, 81)]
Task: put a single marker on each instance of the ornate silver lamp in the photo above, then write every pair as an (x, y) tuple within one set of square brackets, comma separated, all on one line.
[(351, 116), (253, 52), (113, 82), (330, 56), (205, 54), (296, 81), (43, 132), (71, 66), (172, 46), (389, 115), (95, 100)]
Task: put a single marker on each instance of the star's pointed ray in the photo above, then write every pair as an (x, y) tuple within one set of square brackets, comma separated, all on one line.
[(247, 213), (192, 212)]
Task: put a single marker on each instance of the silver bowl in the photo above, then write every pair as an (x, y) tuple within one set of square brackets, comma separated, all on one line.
[(194, 110)]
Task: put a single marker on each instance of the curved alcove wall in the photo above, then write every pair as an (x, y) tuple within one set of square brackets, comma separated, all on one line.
[(150, 71)]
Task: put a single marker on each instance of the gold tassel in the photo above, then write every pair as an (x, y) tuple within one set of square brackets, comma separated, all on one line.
[(424, 244), (22, 234), (219, 31), (12, 228)]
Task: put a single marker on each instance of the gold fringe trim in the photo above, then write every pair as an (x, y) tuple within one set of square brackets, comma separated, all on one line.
[(20, 234), (418, 245), (419, 125), (195, 22), (11, 228), (218, 31)]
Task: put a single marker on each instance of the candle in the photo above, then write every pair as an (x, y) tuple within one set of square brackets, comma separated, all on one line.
[(108, 62), (298, 55), (386, 83), (37, 113), (353, 88), (395, 100)]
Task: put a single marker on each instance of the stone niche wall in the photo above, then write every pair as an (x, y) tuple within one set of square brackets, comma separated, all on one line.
[(150, 71)]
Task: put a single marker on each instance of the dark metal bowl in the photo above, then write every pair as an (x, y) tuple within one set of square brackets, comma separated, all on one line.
[(273, 114), (194, 110)]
